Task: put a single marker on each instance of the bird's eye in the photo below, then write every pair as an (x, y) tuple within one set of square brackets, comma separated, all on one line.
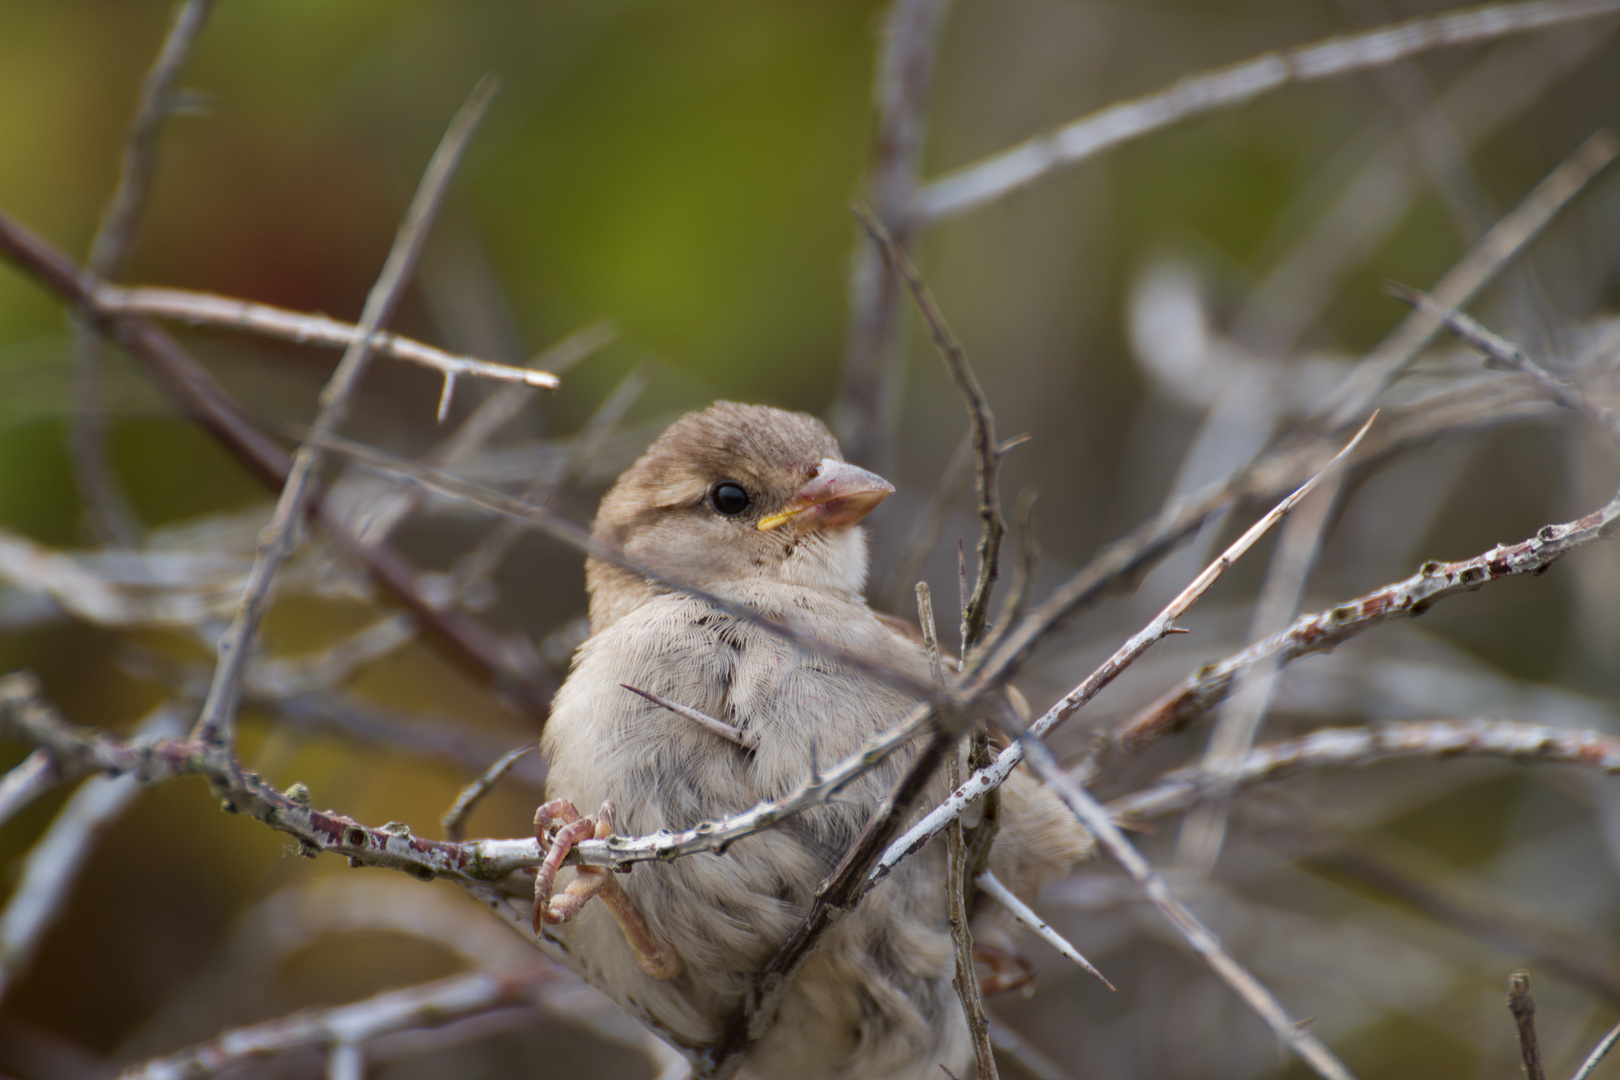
[(730, 499)]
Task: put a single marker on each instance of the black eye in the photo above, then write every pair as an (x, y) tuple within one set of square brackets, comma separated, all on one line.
[(730, 499)]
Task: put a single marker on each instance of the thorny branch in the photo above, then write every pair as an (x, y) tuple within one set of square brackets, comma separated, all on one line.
[(206, 309), (1322, 630), (1163, 625)]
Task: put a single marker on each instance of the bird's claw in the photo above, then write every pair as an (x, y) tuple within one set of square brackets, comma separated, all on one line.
[(1007, 970), (558, 826)]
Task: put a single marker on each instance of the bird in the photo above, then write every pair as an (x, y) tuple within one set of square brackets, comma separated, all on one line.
[(757, 507)]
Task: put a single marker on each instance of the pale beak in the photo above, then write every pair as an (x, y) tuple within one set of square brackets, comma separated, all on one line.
[(838, 494)]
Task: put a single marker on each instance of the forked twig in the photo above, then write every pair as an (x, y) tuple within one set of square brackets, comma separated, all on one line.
[(454, 820)]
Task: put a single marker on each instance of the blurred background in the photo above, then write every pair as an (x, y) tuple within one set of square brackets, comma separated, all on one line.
[(672, 182)]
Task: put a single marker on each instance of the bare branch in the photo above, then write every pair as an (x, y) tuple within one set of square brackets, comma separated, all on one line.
[(867, 410), (965, 980), (1472, 273), (352, 1025), (981, 426), (1198, 847), (1524, 1015), (26, 781), (1321, 631), (1354, 747), (207, 309), (975, 185), (455, 818), (1095, 818), (1021, 911), (216, 724), (105, 507), (992, 776), (1599, 1052), (1499, 352), (207, 403), (52, 866)]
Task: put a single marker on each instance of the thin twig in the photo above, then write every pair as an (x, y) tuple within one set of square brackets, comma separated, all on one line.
[(1321, 631), (992, 887), (981, 426), (207, 309), (1599, 1052), (1162, 625), (867, 411), (1095, 818), (1524, 1015), (104, 504), (1500, 352), (1373, 202), (997, 176), (454, 820), (429, 1004), (1521, 224), (216, 724), (383, 515)]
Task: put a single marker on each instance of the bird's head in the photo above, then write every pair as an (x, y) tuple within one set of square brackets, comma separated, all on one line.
[(733, 493)]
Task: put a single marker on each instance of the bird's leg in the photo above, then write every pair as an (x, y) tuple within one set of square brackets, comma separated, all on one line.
[(655, 961), (1008, 970)]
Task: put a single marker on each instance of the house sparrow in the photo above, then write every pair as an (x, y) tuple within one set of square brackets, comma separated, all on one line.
[(758, 507)]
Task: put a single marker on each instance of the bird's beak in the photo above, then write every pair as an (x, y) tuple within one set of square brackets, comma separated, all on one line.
[(838, 494)]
